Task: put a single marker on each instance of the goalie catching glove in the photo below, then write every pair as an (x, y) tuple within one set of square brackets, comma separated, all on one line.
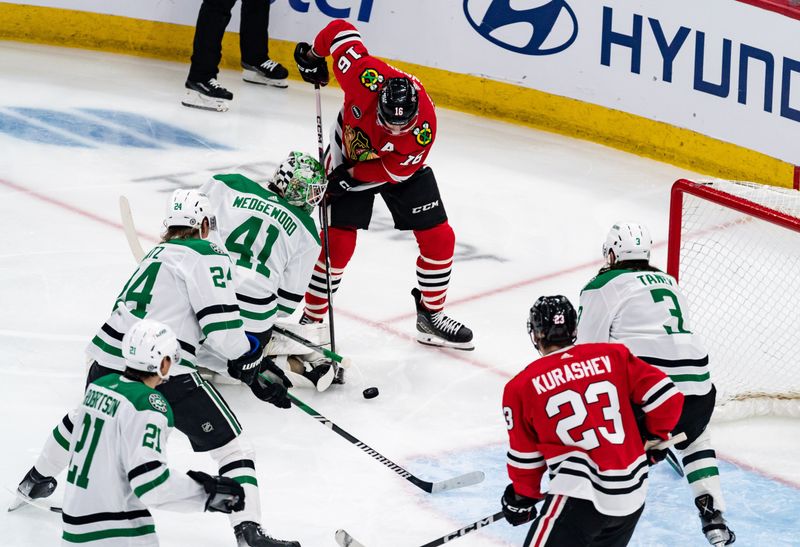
[(517, 509), (225, 495), (313, 69)]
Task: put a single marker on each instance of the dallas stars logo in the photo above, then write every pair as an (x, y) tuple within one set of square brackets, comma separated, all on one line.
[(158, 403), (371, 78), (423, 134)]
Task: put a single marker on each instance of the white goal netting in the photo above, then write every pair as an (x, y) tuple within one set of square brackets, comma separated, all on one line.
[(741, 275)]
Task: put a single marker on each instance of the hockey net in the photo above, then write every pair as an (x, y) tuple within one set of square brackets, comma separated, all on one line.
[(735, 249)]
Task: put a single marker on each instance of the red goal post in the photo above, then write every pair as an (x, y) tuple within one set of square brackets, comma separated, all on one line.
[(735, 249)]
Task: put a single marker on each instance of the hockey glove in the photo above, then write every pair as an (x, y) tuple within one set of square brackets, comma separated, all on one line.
[(268, 365), (340, 181), (269, 392), (517, 509), (225, 495), (247, 367), (313, 69)]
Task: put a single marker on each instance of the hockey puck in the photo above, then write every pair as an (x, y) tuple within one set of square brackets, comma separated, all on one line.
[(370, 393)]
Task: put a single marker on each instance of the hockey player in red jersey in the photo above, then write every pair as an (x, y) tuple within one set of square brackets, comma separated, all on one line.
[(378, 146), (570, 413)]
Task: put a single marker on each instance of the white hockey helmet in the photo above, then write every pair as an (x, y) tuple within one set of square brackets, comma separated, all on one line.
[(628, 241), (146, 344), (189, 208)]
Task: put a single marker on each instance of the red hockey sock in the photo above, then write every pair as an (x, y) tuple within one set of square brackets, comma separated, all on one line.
[(434, 264), (343, 243)]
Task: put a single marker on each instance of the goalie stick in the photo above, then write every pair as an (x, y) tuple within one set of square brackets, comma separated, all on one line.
[(346, 540), (468, 479), (138, 253)]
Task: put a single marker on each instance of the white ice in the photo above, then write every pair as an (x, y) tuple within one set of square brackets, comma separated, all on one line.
[(530, 209)]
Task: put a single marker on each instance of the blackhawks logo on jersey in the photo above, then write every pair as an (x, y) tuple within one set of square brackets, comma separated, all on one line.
[(357, 145), (158, 402), (371, 78), (423, 134)]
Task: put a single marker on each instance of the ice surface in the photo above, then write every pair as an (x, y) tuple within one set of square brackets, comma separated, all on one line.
[(530, 210)]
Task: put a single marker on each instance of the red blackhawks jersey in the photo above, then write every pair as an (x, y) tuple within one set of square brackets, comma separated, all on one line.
[(375, 154), (569, 413)]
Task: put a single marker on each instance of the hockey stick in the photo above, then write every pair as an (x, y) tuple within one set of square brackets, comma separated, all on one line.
[(461, 481), (346, 540), (663, 445), (673, 462), (344, 361), (130, 229), (21, 501), (323, 214)]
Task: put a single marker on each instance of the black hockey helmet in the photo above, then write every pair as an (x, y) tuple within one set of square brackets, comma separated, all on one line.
[(398, 102), (552, 321)]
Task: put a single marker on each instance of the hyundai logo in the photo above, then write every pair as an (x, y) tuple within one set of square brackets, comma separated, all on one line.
[(543, 30)]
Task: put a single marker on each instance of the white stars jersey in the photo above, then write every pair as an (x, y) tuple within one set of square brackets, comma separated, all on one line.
[(118, 467), (646, 311), (186, 284), (273, 245)]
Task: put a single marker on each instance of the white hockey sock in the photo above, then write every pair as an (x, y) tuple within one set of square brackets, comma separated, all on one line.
[(237, 461), (702, 472)]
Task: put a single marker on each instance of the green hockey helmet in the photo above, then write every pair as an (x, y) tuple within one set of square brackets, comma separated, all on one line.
[(299, 180)]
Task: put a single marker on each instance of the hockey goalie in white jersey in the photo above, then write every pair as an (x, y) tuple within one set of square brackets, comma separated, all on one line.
[(273, 242), (118, 457), (636, 304)]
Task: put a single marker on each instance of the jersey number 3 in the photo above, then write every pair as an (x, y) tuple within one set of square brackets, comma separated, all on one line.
[(568, 428)]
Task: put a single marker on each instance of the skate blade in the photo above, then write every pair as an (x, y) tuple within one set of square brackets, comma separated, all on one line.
[(429, 340), (193, 99), (252, 77)]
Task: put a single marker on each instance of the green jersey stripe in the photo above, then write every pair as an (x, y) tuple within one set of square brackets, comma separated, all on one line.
[(112, 533), (60, 439), (222, 325), (109, 349), (286, 309), (258, 316), (690, 377), (145, 488), (246, 479)]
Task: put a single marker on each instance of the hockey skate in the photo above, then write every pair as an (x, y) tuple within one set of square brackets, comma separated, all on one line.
[(250, 534), (267, 73), (208, 95), (714, 526), (437, 329), (33, 486)]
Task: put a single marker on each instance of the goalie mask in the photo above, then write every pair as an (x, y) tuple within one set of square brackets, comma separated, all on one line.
[(628, 241), (188, 208), (146, 344), (299, 180), (552, 321)]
